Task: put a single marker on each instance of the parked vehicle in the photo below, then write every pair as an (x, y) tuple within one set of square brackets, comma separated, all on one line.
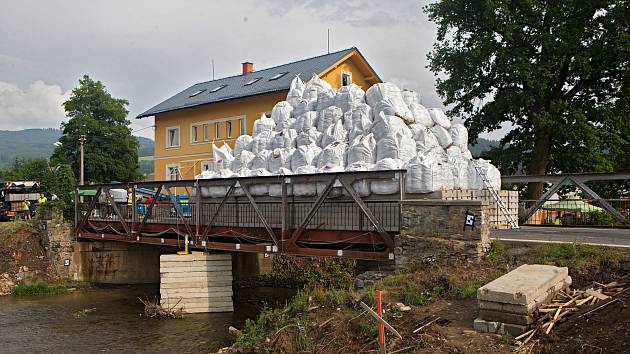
[(12, 197)]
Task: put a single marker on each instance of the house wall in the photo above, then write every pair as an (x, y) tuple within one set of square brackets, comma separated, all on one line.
[(189, 157)]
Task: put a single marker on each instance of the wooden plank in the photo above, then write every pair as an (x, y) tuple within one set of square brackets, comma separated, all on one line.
[(381, 320)]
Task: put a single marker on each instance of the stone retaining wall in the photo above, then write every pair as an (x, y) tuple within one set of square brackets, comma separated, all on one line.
[(435, 228)]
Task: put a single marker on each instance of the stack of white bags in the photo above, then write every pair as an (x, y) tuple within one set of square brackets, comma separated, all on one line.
[(318, 130)]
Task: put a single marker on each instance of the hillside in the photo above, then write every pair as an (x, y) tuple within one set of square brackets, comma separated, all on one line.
[(31, 143), (482, 145)]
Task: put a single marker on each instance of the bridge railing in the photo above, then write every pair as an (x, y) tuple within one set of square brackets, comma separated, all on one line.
[(575, 212), (232, 213)]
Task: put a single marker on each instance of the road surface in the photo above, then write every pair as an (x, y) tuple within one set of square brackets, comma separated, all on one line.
[(602, 237)]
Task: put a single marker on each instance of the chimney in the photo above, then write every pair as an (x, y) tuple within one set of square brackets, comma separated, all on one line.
[(248, 67)]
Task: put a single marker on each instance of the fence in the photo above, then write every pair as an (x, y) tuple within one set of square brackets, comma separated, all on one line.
[(575, 212)]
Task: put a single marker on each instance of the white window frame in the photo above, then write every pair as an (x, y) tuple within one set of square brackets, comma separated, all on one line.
[(243, 125), (228, 128), (349, 74), (217, 130), (168, 172), (202, 132), (179, 138)]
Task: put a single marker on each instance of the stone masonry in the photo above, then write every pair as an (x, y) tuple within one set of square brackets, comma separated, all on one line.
[(433, 229)]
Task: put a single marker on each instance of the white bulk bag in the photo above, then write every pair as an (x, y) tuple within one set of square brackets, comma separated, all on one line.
[(222, 157), (262, 141), (205, 192), (493, 174), (281, 111), (259, 189), (425, 140), (393, 108), (308, 137), (361, 186), (219, 191), (382, 91), (261, 160), (385, 125), (382, 186), (461, 172), (306, 121), (333, 155), (285, 124), (421, 115), (305, 106), (314, 86), (243, 172), (280, 158), (440, 118), (243, 143), (453, 152), (396, 146), (263, 124), (337, 186), (334, 133), (467, 155), (242, 160), (459, 134), (428, 176), (362, 118), (305, 155), (362, 150), (347, 121), (328, 117), (284, 139), (275, 189), (349, 97), (442, 135), (305, 189), (325, 99), (409, 97), (296, 90)]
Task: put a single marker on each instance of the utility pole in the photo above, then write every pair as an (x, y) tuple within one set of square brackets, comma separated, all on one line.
[(81, 142)]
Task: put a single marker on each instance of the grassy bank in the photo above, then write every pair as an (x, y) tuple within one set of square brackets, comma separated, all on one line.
[(38, 288), (326, 317)]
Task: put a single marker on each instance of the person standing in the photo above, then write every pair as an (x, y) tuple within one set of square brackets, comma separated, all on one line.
[(26, 207)]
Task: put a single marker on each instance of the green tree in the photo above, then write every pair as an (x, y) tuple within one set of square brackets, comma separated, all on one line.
[(556, 71), (110, 151)]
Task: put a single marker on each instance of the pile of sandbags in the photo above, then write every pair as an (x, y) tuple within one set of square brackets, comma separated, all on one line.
[(321, 130)]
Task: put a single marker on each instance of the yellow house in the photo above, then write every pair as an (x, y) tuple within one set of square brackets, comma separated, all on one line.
[(218, 111)]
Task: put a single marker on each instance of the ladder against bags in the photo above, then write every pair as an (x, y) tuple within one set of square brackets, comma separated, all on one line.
[(495, 196)]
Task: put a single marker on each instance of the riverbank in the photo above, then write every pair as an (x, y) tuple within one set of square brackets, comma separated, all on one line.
[(441, 293)]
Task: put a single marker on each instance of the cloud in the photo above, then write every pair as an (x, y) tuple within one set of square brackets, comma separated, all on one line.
[(37, 106)]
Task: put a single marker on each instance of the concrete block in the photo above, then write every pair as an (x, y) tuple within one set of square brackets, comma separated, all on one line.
[(506, 317), (196, 285), (206, 309), (195, 294), (482, 325), (196, 268), (195, 257), (168, 264), (530, 307), (522, 285)]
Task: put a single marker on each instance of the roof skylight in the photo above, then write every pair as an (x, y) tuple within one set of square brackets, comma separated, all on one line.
[(252, 81), (277, 76), (217, 88), (196, 93)]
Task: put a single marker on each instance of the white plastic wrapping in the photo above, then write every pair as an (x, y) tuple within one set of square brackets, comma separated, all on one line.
[(362, 118), (242, 160), (385, 187), (440, 118), (362, 150), (349, 97), (333, 155), (421, 115), (362, 186), (280, 158), (305, 106), (259, 189), (222, 157), (281, 111), (425, 140), (388, 92), (328, 117), (296, 90), (337, 186), (325, 99), (428, 175), (308, 137), (409, 97), (305, 189), (459, 135), (493, 174), (385, 125), (262, 141), (305, 155), (284, 139), (314, 86), (306, 121), (275, 189), (263, 124), (396, 146), (243, 143), (334, 133), (442, 135), (261, 160)]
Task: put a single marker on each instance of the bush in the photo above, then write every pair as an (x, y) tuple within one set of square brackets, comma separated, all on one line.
[(577, 257), (313, 272)]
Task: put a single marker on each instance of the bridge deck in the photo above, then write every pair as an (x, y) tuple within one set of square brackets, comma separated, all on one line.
[(337, 222)]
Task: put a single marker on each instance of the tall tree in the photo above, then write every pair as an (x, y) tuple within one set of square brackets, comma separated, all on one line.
[(555, 71), (110, 151)]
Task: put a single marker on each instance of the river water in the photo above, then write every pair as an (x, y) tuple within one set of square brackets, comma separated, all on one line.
[(52, 323)]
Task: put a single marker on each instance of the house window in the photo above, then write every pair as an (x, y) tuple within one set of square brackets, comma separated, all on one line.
[(277, 76), (217, 130), (172, 137), (229, 128), (243, 126), (206, 137), (252, 81), (172, 172), (205, 165), (194, 134), (346, 78), (218, 88), (196, 93)]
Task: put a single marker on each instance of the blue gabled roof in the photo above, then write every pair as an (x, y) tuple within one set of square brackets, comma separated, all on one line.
[(235, 85)]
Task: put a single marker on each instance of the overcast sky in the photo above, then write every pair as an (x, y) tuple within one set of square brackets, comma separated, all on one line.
[(146, 51)]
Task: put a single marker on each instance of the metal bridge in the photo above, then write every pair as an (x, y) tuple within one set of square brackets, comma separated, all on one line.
[(227, 214)]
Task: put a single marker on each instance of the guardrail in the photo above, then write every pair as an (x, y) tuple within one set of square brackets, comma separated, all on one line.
[(575, 212), (336, 221)]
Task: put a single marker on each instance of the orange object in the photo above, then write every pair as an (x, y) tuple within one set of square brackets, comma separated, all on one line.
[(381, 327)]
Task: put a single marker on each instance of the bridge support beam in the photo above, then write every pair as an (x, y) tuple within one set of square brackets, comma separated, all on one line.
[(196, 283)]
